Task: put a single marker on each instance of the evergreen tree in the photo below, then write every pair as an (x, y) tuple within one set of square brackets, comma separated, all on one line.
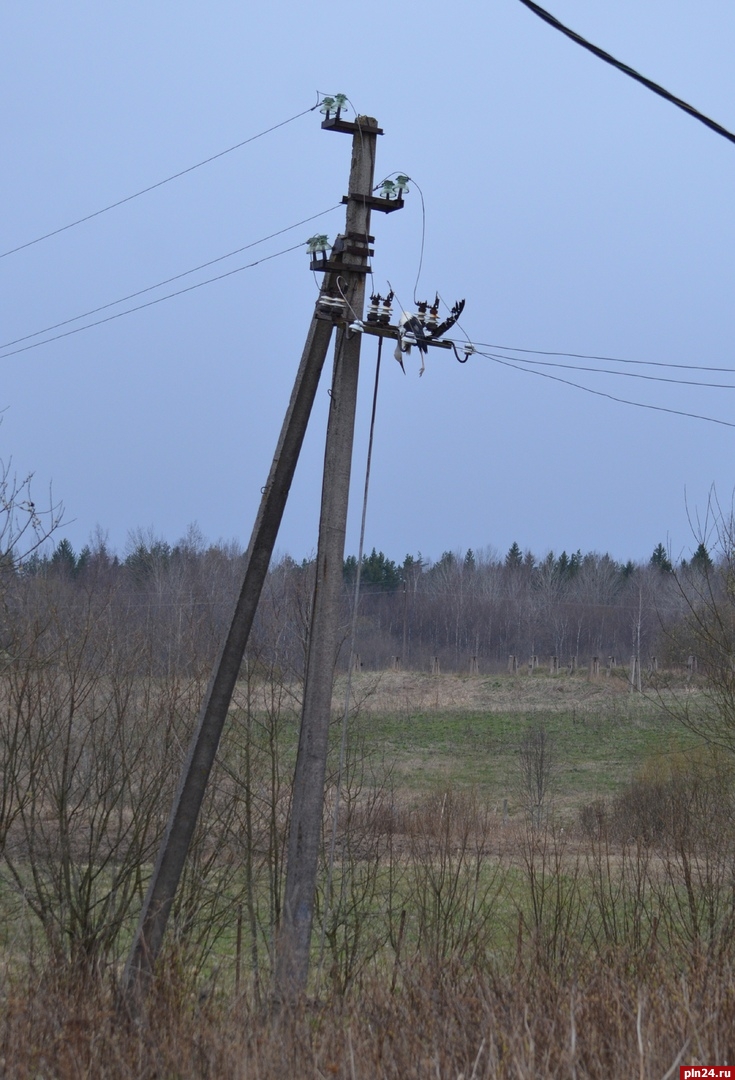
[(85, 556), (514, 556), (377, 569), (661, 559), (575, 562), (412, 569), (147, 556), (701, 559), (63, 560)]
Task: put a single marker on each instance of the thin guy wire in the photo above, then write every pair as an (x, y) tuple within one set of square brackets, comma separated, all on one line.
[(601, 393), (353, 634), (631, 72), (150, 303), (158, 184), (167, 281)]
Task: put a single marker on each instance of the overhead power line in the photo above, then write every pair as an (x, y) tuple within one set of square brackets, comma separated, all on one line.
[(158, 184), (150, 303), (166, 281), (602, 393), (631, 72), (621, 374), (605, 359)]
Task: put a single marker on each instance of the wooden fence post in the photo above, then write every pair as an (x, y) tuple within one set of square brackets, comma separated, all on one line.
[(635, 674)]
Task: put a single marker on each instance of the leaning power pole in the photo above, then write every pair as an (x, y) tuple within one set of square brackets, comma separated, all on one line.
[(195, 773), (205, 740), (340, 302), (294, 937)]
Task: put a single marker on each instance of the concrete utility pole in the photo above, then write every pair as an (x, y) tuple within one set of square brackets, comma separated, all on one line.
[(203, 747), (292, 961)]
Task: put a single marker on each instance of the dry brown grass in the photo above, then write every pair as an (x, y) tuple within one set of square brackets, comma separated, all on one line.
[(511, 964), (533, 981), (600, 1021), (417, 692)]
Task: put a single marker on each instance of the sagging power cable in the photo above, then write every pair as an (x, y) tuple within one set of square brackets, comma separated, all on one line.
[(604, 359), (601, 393), (167, 281), (158, 184), (150, 303), (620, 374)]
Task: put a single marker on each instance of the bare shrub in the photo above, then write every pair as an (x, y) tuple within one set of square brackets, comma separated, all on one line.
[(359, 888), (675, 795), (663, 854), (452, 881), (551, 906), (537, 770), (90, 749), (624, 907)]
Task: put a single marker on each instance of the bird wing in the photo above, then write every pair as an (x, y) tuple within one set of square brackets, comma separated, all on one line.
[(449, 322)]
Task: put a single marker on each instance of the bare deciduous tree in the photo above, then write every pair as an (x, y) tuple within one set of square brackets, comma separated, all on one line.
[(537, 769), (24, 525)]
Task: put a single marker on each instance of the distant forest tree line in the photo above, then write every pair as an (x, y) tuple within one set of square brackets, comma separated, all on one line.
[(465, 609)]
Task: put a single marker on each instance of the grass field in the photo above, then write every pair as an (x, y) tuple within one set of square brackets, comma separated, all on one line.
[(447, 730), (464, 938)]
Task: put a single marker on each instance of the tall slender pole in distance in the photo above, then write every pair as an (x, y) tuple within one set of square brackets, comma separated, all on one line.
[(203, 747), (292, 960)]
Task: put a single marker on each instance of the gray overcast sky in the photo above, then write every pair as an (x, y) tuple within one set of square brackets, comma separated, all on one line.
[(571, 207)]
